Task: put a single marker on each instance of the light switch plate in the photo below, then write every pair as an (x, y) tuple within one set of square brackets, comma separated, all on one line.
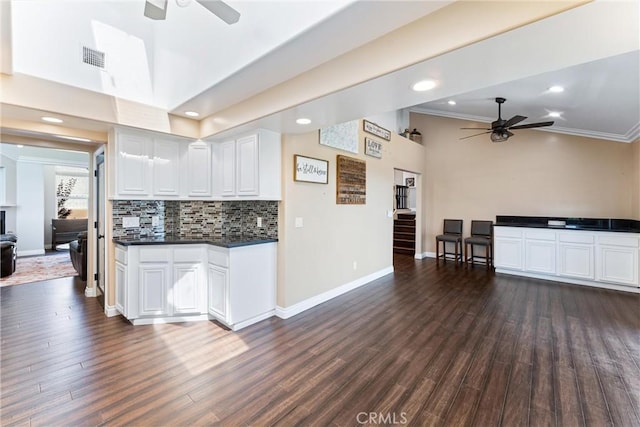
[(130, 221), (299, 222), (155, 221), (259, 222)]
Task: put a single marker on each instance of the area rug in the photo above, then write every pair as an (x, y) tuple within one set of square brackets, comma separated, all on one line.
[(37, 268)]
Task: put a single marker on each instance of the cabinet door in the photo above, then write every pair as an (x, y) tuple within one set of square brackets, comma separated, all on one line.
[(540, 256), (166, 162), (121, 288), (617, 264), (186, 288), (152, 282), (576, 260), (508, 253), (218, 282), (199, 169), (228, 168), (247, 164), (132, 165)]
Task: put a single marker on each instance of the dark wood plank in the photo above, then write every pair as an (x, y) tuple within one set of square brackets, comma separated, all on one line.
[(435, 345)]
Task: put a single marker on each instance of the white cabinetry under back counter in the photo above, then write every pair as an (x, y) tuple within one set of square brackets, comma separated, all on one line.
[(605, 259)]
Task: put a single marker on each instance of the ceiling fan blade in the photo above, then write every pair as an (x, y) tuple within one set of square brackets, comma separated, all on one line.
[(532, 125), (476, 128), (222, 10), (477, 134), (513, 120), (155, 9)]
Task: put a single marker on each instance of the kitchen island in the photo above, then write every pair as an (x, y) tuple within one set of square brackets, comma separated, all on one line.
[(586, 251), (177, 278)]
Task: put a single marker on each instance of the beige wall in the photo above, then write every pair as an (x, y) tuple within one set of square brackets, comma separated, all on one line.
[(319, 256), (534, 173)]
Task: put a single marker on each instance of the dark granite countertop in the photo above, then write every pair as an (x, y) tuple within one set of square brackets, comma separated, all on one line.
[(170, 239), (586, 224)]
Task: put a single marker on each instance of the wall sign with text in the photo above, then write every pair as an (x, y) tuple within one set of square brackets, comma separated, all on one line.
[(376, 130), (372, 148), (308, 169)]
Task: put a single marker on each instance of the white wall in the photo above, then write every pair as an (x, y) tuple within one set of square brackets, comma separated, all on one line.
[(50, 207), (30, 209)]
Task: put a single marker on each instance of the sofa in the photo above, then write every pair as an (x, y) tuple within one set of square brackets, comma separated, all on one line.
[(78, 254), (66, 230), (7, 258)]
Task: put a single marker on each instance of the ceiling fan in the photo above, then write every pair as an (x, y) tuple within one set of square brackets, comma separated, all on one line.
[(500, 129), (157, 9)]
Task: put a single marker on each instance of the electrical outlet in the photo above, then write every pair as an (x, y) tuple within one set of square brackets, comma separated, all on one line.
[(355, 265), (130, 221), (259, 222), (299, 222)]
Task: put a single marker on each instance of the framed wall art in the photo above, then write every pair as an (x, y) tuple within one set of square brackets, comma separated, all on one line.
[(376, 130), (308, 169), (372, 148), (343, 136), (351, 183)]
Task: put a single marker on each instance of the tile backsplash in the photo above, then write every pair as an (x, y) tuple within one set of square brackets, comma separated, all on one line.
[(197, 218)]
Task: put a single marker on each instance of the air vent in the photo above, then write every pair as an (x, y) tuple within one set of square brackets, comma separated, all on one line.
[(92, 57)]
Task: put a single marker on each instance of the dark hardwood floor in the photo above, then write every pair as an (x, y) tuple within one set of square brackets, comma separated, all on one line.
[(425, 346)]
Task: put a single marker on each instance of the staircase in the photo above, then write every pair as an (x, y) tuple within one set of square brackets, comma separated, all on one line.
[(404, 234)]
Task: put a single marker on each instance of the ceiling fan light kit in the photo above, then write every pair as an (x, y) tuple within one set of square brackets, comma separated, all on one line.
[(501, 129), (157, 9)]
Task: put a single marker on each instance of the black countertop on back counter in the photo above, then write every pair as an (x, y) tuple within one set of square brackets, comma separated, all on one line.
[(170, 239), (587, 224)]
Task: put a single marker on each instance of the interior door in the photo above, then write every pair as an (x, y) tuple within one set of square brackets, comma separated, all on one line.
[(100, 218)]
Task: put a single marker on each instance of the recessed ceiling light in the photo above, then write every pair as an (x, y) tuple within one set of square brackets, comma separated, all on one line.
[(451, 102), (554, 114), (556, 89), (424, 85), (73, 138), (51, 119), (191, 113), (20, 146), (303, 121)]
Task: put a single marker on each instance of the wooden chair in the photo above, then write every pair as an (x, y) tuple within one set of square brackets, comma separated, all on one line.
[(452, 233), (481, 235)]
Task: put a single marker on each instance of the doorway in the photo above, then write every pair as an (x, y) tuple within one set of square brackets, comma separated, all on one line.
[(99, 225), (406, 224)]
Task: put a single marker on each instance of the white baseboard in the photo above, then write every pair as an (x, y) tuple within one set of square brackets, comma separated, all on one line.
[(255, 319), (426, 255), (595, 284), (31, 252), (111, 311), (90, 292), (287, 312)]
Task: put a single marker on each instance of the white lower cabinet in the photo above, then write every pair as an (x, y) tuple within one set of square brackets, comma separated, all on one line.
[(595, 258), (175, 283), (242, 284), (218, 278), (618, 264)]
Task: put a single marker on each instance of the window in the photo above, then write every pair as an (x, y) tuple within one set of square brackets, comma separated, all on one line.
[(72, 191)]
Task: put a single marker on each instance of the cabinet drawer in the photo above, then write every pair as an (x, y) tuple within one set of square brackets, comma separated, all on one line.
[(540, 235), (121, 255), (627, 241), (154, 255), (507, 232), (219, 258), (576, 237), (187, 254)]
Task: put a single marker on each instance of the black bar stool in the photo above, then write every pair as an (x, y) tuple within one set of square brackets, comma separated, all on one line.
[(481, 235), (452, 233)]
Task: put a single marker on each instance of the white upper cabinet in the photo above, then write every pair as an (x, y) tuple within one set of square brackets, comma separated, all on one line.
[(198, 169), (158, 166), (248, 167), (166, 168), (132, 154)]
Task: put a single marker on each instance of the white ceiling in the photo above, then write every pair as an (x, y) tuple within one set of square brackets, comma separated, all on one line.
[(193, 61)]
